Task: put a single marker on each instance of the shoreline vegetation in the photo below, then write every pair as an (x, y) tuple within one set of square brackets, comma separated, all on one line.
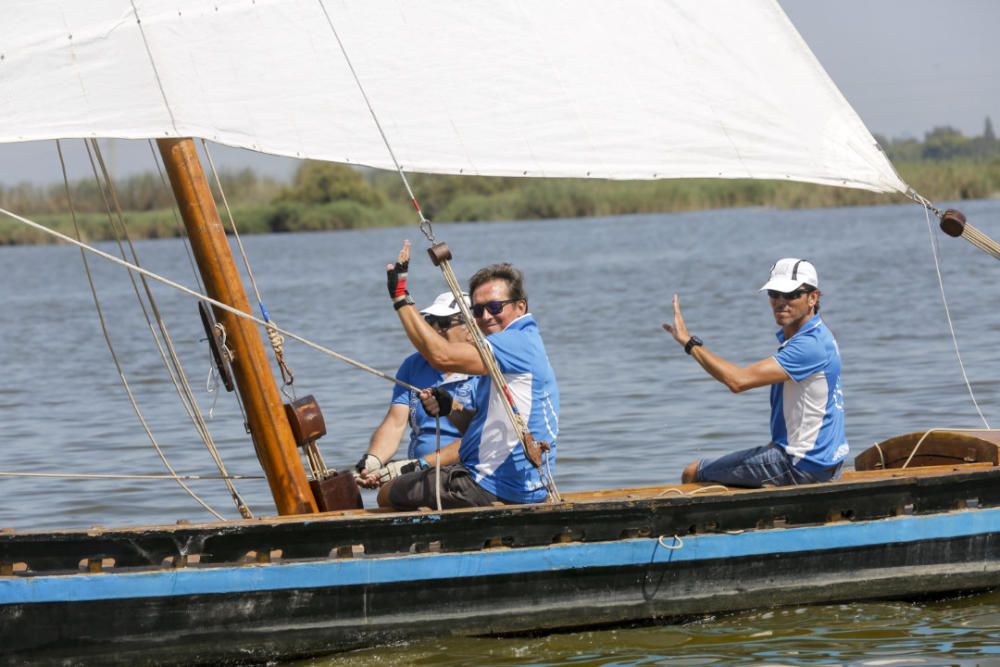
[(322, 196)]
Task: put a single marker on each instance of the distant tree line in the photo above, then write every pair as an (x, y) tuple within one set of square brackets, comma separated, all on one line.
[(323, 196), (943, 143), (142, 192)]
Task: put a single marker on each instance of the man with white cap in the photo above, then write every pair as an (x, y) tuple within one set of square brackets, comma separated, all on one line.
[(406, 408), (808, 444)]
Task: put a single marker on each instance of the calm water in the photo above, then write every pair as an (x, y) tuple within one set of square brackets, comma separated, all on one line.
[(635, 409)]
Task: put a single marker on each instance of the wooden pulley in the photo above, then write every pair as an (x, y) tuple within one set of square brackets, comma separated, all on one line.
[(533, 450), (220, 355), (333, 491), (439, 252), (337, 492), (306, 420), (953, 222)]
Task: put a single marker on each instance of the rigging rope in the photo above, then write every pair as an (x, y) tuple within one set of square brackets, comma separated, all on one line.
[(935, 252), (497, 376), (84, 475), (275, 338), (206, 299), (425, 225), (171, 359), (177, 220), (485, 353), (182, 233), (937, 429), (114, 355)]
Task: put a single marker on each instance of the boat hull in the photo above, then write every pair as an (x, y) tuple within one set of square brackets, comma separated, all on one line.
[(602, 561)]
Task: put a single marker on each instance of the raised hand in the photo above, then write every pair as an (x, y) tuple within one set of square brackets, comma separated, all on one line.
[(396, 275), (678, 330)]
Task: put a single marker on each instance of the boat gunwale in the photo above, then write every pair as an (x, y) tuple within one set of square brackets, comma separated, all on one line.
[(591, 499)]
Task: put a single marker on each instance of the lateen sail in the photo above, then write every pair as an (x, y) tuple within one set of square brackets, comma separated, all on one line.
[(636, 89)]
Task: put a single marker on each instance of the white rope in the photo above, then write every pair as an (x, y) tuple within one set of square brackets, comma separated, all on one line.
[(212, 384), (427, 230), (174, 477), (981, 241), (276, 340), (711, 487), (937, 429), (425, 225), (679, 543), (694, 492), (497, 377), (114, 356), (173, 210), (437, 463), (232, 222), (206, 299), (881, 455), (935, 250), (169, 356)]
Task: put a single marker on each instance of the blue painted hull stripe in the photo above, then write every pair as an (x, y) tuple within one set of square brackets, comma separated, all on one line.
[(393, 569)]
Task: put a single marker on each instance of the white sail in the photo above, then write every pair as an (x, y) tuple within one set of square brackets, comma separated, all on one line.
[(630, 89)]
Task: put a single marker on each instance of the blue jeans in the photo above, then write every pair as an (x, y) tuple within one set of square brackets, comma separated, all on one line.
[(762, 466)]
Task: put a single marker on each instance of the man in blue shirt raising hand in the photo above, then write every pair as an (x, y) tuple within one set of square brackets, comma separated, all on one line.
[(488, 465), (808, 444)]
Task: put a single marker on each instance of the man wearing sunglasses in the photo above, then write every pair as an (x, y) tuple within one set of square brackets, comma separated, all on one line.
[(488, 464), (444, 317), (808, 444)]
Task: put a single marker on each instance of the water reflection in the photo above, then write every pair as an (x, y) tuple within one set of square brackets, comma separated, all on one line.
[(961, 632)]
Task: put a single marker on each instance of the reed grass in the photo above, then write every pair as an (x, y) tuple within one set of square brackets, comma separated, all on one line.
[(381, 201)]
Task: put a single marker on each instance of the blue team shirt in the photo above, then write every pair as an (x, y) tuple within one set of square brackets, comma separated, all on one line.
[(807, 412), (416, 371), (490, 448)]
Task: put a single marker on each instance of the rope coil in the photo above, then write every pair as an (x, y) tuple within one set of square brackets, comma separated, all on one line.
[(679, 543)]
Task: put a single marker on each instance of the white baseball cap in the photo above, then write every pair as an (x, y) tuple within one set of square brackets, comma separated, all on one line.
[(445, 305), (790, 273)]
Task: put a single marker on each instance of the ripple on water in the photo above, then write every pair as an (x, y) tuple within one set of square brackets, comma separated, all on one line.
[(634, 409), (959, 632)]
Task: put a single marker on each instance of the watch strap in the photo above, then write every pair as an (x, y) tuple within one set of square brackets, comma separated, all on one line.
[(692, 343)]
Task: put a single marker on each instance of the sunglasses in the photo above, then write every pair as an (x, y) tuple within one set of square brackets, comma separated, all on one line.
[(494, 307), (787, 296), (442, 323)]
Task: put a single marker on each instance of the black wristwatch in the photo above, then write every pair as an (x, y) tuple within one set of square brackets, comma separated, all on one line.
[(693, 341)]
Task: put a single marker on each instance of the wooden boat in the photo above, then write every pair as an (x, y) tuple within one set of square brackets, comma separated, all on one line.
[(252, 591), (306, 583)]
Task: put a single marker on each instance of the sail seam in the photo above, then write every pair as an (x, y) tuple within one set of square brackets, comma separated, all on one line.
[(156, 71)]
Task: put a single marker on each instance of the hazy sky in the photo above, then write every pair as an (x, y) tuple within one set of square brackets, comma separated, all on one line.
[(905, 65)]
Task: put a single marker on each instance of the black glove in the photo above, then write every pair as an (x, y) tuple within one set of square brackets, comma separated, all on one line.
[(396, 282), (443, 399)]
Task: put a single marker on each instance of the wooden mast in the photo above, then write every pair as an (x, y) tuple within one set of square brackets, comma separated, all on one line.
[(269, 428)]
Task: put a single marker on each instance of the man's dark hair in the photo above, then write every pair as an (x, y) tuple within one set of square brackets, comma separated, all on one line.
[(809, 289), (505, 272)]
